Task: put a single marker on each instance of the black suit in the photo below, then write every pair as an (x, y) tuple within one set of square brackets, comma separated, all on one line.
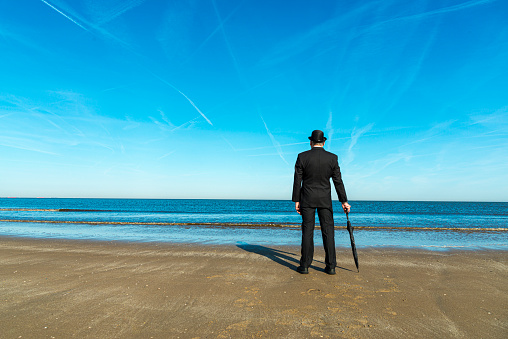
[(312, 189)]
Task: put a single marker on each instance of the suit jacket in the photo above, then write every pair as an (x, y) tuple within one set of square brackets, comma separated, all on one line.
[(313, 170)]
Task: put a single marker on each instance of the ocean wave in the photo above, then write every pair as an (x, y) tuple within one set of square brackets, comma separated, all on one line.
[(54, 210), (28, 210), (70, 210), (257, 225), (235, 210)]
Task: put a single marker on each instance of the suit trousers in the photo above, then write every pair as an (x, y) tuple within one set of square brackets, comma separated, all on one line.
[(327, 232)]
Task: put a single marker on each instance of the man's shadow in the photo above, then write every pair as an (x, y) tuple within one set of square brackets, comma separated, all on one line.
[(283, 258)]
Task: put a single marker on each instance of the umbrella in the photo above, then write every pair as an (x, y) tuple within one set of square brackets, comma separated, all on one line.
[(352, 238)]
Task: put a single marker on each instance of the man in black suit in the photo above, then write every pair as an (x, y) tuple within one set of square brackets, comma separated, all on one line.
[(311, 192)]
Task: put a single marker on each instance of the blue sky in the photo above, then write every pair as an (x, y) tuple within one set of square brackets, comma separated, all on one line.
[(215, 99)]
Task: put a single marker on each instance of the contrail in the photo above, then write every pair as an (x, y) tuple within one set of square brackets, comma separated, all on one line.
[(165, 155), (196, 107), (166, 119), (381, 164), (184, 124), (128, 47), (230, 144), (65, 15), (19, 144), (158, 123), (274, 142), (114, 88), (265, 147), (95, 28), (355, 135), (226, 40), (497, 114), (434, 131), (330, 130), (413, 72), (219, 27), (123, 7), (448, 9), (183, 94)]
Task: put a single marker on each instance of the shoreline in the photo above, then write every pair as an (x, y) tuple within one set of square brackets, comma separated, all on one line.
[(85, 288), (296, 248), (433, 239)]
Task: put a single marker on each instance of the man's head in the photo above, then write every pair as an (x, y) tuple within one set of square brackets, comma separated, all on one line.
[(318, 144), (317, 138)]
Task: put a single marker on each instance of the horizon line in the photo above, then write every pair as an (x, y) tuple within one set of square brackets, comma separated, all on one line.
[(252, 199)]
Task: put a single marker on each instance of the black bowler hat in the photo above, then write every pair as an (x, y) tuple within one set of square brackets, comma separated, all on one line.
[(317, 136)]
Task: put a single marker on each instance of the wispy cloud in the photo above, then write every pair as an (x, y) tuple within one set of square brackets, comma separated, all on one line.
[(65, 15), (185, 96), (432, 132), (274, 142), (217, 29), (443, 10), (495, 118), (406, 81), (122, 9), (229, 143), (115, 88), (329, 130), (90, 26), (47, 112), (382, 163), (12, 38), (266, 147), (346, 27), (60, 125), (357, 133), (355, 136), (165, 119), (270, 154), (318, 37), (167, 125), (48, 120), (194, 105), (158, 123), (132, 124), (24, 144), (165, 155), (187, 124), (228, 44), (106, 11)]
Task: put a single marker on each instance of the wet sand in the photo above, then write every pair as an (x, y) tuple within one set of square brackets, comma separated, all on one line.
[(84, 289)]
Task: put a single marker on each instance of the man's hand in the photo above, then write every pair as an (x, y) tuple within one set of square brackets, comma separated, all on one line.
[(297, 207), (346, 207)]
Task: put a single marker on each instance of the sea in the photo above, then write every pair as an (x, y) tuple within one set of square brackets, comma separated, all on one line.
[(428, 225)]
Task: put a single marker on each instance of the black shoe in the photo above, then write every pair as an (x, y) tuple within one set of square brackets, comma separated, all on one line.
[(302, 270), (330, 271)]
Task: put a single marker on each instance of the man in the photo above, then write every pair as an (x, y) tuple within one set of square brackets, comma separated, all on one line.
[(311, 192)]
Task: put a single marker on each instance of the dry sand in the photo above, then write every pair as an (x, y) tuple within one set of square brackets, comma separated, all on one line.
[(65, 289)]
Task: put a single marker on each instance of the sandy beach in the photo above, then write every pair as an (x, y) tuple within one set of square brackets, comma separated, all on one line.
[(84, 289)]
